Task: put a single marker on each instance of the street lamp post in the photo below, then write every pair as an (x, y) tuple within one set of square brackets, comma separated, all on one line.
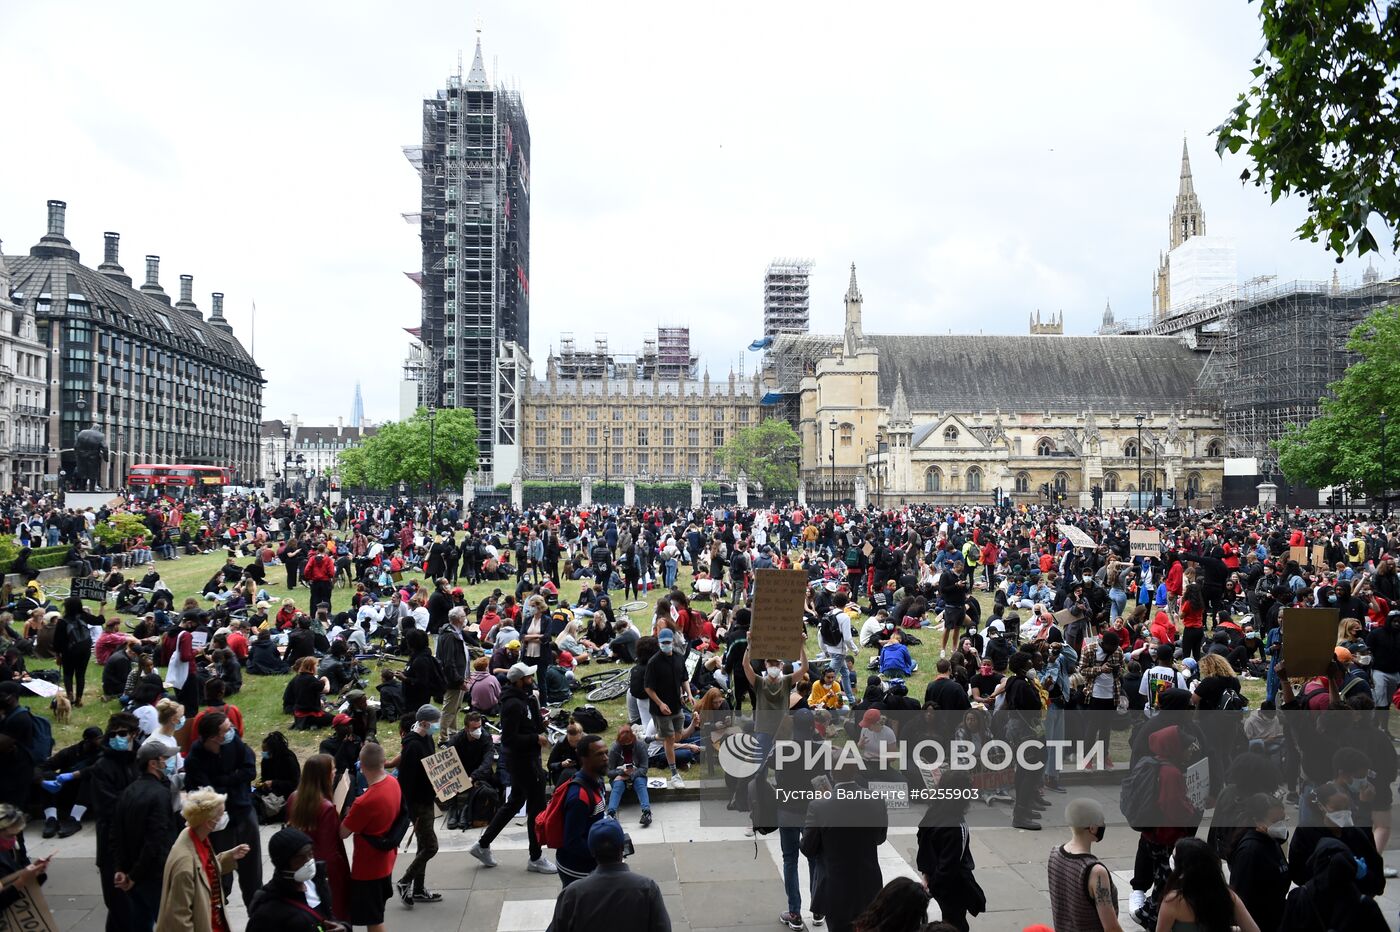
[(1140, 419), (1154, 474), (833, 425), (432, 450), (1384, 471)]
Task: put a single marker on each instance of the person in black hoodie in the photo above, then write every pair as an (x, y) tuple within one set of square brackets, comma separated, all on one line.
[(1331, 898), (418, 731), (104, 783), (281, 772), (1338, 823), (522, 738), (1384, 644), (421, 680), (263, 658), (146, 827), (1258, 868), (281, 906)]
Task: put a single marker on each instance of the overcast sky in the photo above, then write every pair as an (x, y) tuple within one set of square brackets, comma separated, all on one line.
[(976, 161)]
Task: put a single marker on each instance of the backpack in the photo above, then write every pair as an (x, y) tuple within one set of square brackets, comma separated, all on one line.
[(549, 825), (1232, 701), (41, 745), (391, 839), (438, 681), (831, 629), (590, 719), (79, 634), (483, 801), (852, 556), (1137, 798)]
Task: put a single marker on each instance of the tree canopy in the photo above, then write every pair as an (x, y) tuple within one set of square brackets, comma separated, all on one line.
[(398, 452), (1342, 445), (766, 453), (1319, 117)]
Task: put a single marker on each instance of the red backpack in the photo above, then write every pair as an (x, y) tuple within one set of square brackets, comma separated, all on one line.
[(549, 824)]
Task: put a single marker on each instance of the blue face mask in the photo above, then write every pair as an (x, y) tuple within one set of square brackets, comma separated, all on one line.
[(172, 764), (229, 736), (434, 728), (1331, 600), (119, 743), (267, 755)]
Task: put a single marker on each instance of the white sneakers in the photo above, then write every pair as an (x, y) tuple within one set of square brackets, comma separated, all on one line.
[(483, 855), (541, 865), (676, 782)]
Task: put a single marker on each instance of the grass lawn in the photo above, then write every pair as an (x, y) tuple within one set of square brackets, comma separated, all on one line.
[(261, 697)]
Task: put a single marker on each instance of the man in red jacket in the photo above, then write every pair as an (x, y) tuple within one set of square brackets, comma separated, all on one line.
[(319, 573)]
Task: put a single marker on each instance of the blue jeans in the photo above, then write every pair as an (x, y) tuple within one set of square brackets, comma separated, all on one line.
[(671, 568), (53, 533), (619, 786), (789, 838), (1119, 598)]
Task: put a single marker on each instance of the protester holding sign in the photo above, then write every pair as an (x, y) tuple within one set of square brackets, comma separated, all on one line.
[(20, 878), (418, 732)]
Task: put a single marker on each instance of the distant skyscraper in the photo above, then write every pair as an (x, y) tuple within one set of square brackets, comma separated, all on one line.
[(357, 411), (786, 296), (474, 164)]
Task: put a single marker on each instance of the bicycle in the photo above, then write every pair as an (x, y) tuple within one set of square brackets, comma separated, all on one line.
[(604, 684)]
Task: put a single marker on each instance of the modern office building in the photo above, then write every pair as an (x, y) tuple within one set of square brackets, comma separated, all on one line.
[(165, 384), (474, 166)]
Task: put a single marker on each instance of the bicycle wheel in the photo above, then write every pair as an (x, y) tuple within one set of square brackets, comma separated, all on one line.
[(595, 679), (608, 691), (630, 607)]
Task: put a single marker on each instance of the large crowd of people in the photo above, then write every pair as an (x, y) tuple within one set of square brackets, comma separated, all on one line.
[(1048, 624)]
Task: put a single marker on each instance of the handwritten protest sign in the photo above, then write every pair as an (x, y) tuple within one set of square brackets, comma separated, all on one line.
[(446, 774), (88, 587), (1145, 543), (776, 630), (1309, 640), (1076, 536), (30, 912), (1198, 782), (894, 793)]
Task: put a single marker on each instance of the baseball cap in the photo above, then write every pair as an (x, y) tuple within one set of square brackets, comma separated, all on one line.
[(428, 713), (513, 645), (153, 748), (606, 836), (354, 694), (665, 635), (1343, 655), (870, 719), (341, 719), (519, 671), (566, 659)]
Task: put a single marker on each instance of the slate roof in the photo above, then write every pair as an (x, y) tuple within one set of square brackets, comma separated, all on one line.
[(116, 305), (1032, 373)]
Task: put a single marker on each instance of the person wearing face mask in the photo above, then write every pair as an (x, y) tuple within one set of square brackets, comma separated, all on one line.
[(1258, 868), (191, 897), (1384, 644), (1082, 892), (297, 898), (420, 733), (1338, 823), (668, 689), (1332, 898), (14, 858), (219, 759), (145, 828), (103, 784)]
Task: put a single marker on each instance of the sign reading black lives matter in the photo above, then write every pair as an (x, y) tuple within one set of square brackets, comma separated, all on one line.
[(776, 631), (446, 774), (89, 587)]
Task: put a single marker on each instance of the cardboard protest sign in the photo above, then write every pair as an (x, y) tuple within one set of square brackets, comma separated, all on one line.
[(1309, 640), (776, 630), (1145, 543), (1298, 555), (1198, 782), (446, 774), (868, 549), (88, 587), (30, 912), (894, 793), (1319, 556), (1076, 537)]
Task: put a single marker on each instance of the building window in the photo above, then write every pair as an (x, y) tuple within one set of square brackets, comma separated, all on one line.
[(743, 415), (641, 436), (617, 437), (616, 413), (540, 436), (642, 414), (848, 433), (592, 436), (933, 480), (1023, 482), (1110, 482), (668, 437), (719, 437), (592, 413), (1045, 447), (592, 463), (950, 435), (1149, 483), (693, 437), (617, 463), (644, 463), (974, 479), (566, 413), (541, 463), (566, 435), (1061, 482), (668, 465), (566, 464), (668, 415), (1193, 483), (1213, 449), (693, 464), (1130, 449)]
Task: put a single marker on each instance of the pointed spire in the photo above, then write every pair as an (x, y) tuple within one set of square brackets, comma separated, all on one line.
[(1186, 186), (476, 77), (1370, 276), (853, 290), (1108, 313), (899, 405)]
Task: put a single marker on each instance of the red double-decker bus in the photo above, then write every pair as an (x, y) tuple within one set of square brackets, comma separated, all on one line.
[(179, 480)]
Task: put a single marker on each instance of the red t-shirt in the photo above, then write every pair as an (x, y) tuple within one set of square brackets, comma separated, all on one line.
[(372, 813), (238, 644), (1192, 616)]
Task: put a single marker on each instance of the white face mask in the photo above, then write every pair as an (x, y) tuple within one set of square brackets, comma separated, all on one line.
[(306, 872), (775, 672), (1341, 818), (476, 732), (222, 824), (1279, 831)]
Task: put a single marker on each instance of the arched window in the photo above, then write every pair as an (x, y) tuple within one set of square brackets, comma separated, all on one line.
[(974, 479), (1045, 447), (1061, 481), (1110, 482), (1193, 482), (1130, 449), (1213, 449), (933, 480), (848, 433), (950, 435), (1023, 482), (1148, 485)]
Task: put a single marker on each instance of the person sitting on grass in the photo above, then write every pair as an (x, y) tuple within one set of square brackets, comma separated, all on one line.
[(895, 659), (303, 696)]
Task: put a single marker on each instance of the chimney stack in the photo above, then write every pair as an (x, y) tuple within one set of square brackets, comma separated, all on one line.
[(53, 244), (186, 289), (57, 213), (111, 265), (218, 301), (152, 283)]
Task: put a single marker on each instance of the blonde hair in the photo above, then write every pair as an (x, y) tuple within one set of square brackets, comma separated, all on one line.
[(201, 805), (1345, 629), (168, 710), (1215, 665)]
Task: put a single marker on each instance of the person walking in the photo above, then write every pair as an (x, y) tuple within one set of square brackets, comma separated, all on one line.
[(522, 738), (311, 809), (371, 816), (418, 794), (452, 655), (1197, 896), (144, 831), (1023, 703), (319, 574), (103, 784), (191, 898), (842, 838), (945, 852), (297, 898), (220, 760), (1258, 868), (1082, 894), (668, 690), (612, 897), (72, 643), (583, 806)]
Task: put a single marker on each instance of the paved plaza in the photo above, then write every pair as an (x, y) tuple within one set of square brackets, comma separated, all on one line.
[(713, 878)]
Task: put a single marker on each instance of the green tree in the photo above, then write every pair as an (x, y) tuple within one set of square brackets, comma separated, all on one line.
[(399, 452), (1319, 117), (120, 527), (1342, 445), (766, 453)]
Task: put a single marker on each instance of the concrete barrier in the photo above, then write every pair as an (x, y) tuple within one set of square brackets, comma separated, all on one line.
[(51, 574)]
